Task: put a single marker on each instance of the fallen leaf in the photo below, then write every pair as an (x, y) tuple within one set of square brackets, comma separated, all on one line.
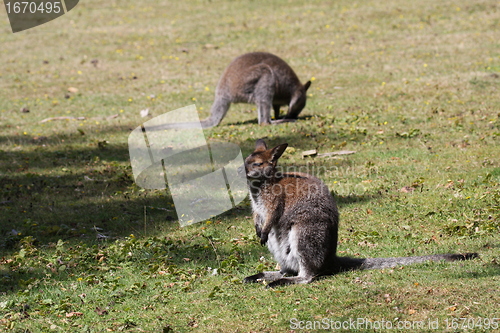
[(365, 243), (167, 329), (73, 314), (102, 144), (100, 311), (73, 90), (407, 189)]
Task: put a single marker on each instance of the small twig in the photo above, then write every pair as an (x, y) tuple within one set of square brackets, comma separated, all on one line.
[(215, 250), (79, 118), (145, 219), (160, 208), (62, 118)]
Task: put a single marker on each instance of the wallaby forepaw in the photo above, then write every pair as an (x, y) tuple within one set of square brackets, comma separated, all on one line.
[(258, 232), (263, 239)]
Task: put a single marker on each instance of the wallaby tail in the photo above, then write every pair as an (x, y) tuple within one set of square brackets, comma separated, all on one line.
[(347, 263), (218, 111)]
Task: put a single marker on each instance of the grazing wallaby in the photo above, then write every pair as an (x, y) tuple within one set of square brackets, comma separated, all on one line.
[(296, 216), (259, 78)]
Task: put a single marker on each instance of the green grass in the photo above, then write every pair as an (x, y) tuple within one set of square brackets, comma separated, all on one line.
[(411, 87)]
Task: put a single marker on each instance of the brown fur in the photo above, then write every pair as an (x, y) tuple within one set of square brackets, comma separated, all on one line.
[(258, 78)]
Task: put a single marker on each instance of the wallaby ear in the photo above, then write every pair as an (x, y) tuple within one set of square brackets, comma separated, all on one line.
[(260, 145), (278, 151), (307, 85)]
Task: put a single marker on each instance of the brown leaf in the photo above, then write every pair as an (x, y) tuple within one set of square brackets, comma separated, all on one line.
[(450, 184), (101, 312), (406, 189)]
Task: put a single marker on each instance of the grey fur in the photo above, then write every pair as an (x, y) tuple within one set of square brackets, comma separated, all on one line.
[(258, 78), (297, 217)]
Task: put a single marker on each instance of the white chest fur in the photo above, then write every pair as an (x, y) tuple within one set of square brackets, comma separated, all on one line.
[(284, 250), (259, 209)]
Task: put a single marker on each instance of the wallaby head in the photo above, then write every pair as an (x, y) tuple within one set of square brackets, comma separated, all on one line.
[(261, 164), (298, 101)]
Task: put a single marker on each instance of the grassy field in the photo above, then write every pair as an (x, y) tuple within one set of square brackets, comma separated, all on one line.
[(412, 87)]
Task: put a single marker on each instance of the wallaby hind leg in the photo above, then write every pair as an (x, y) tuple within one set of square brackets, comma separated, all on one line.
[(264, 115), (305, 276), (264, 276), (217, 112), (290, 280), (276, 109), (263, 97)]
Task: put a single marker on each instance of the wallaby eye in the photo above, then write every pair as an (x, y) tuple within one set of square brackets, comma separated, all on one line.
[(257, 164)]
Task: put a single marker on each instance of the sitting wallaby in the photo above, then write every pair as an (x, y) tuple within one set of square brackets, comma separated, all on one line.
[(259, 78), (296, 216)]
